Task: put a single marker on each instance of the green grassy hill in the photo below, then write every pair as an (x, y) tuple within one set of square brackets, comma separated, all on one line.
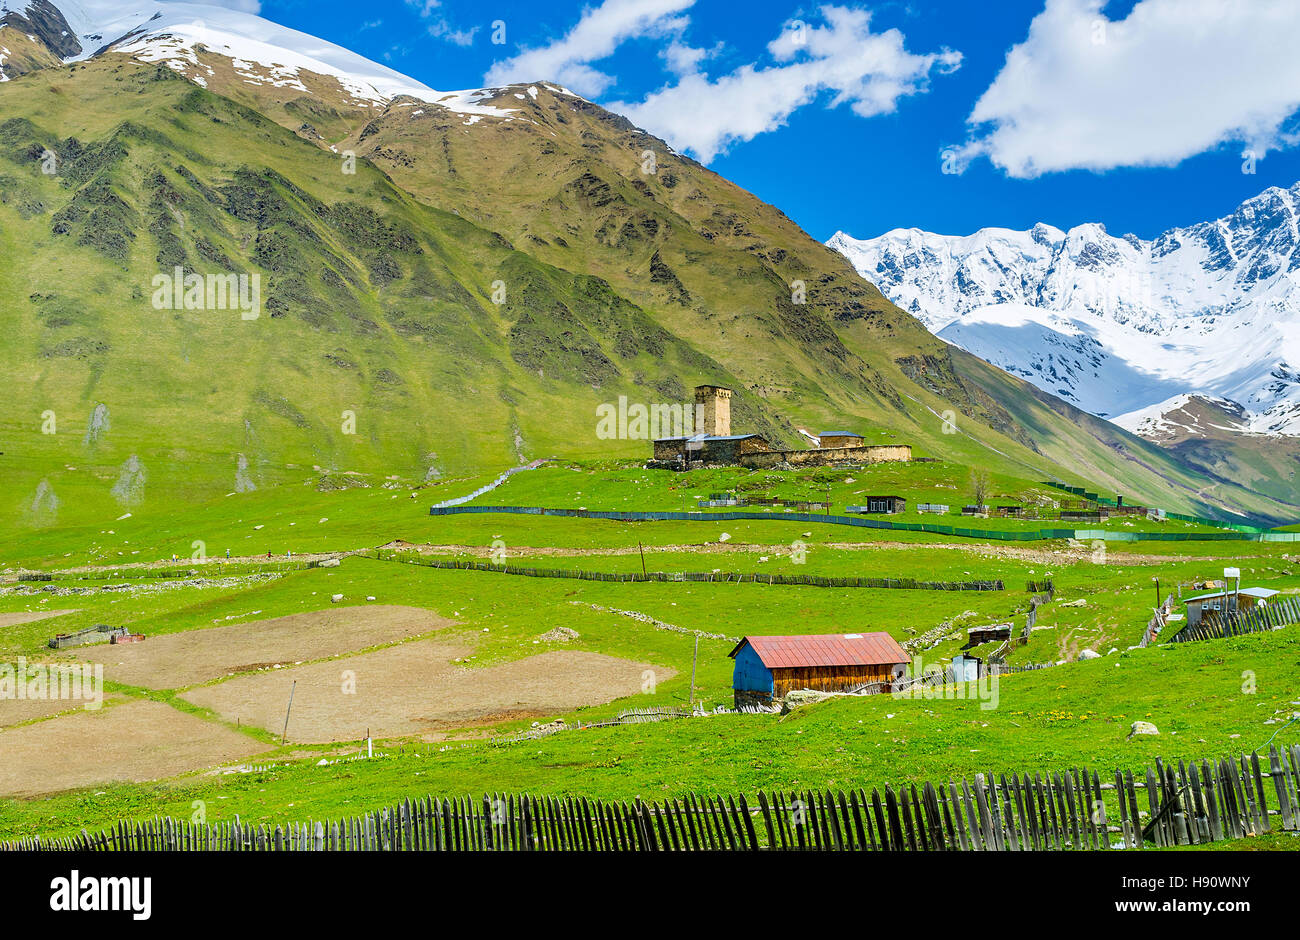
[(379, 348)]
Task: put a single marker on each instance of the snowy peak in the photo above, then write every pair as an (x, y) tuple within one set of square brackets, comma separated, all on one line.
[(43, 21), (212, 45), (1117, 325), (1185, 417)]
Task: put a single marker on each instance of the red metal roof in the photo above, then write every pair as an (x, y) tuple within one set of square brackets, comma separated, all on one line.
[(826, 649)]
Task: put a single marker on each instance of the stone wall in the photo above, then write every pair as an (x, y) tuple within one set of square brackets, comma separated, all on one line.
[(752, 453), (875, 453)]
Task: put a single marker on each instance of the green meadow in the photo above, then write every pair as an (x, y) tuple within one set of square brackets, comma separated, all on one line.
[(1208, 699)]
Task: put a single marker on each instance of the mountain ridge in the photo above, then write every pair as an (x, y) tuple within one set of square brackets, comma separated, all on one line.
[(1118, 324), (620, 277)]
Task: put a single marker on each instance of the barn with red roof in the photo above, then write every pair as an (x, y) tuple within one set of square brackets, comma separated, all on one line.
[(767, 667)]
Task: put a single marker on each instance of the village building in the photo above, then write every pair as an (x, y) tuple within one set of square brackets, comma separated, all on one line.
[(1204, 606), (839, 439), (880, 505), (713, 444), (988, 633), (769, 667)]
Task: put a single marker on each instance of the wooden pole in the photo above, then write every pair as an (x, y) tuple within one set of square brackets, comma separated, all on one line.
[(285, 732), (641, 549), (694, 660)]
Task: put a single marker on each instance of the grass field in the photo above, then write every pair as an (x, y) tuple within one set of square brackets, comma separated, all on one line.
[(485, 654)]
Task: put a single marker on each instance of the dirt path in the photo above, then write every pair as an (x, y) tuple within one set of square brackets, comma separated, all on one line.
[(30, 616), (1037, 556)]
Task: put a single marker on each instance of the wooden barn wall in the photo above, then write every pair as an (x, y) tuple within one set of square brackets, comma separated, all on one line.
[(750, 675), (828, 678)]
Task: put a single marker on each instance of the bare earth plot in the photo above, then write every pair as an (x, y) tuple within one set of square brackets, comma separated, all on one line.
[(416, 689), (134, 741), (14, 711), (28, 616), (177, 660)]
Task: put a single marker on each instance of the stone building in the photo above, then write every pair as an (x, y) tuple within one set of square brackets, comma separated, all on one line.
[(713, 444), (839, 439), (713, 410)]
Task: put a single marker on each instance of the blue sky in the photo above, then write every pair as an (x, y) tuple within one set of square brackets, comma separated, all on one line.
[(1140, 114)]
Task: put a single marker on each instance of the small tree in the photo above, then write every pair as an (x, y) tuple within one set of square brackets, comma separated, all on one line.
[(979, 484)]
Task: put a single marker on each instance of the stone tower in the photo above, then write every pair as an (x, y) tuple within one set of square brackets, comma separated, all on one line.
[(712, 410)]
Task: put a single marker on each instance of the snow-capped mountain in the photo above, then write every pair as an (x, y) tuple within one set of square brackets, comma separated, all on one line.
[(1185, 416), (1118, 326), (187, 37)]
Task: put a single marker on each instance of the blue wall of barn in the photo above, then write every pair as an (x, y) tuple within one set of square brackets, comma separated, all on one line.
[(750, 675)]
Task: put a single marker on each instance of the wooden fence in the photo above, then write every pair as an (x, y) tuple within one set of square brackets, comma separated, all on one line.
[(1076, 809), (721, 577), (939, 679), (1159, 620), (1009, 535), (719, 500), (1042, 592), (1280, 612)]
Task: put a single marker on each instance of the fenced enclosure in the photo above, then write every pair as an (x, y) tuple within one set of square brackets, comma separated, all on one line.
[(1042, 592), (1008, 535), (1071, 810), (717, 500), (99, 633), (1281, 612), (719, 577)]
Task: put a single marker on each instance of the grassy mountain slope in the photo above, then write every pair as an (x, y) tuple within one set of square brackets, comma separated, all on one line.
[(377, 301), (1209, 434)]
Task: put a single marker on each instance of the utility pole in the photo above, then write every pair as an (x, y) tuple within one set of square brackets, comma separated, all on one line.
[(641, 549), (285, 732)]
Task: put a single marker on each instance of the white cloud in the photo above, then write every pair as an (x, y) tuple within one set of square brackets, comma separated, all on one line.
[(439, 26), (599, 32), (867, 71), (1173, 79), (681, 58)]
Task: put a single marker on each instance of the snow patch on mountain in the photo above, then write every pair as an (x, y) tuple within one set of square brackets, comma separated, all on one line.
[(1177, 417), (1112, 324), (262, 52)]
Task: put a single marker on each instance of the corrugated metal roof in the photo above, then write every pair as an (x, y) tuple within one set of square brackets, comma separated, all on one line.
[(1256, 592), (828, 649)]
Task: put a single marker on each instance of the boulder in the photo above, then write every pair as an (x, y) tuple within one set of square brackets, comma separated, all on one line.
[(1089, 654), (1141, 727)]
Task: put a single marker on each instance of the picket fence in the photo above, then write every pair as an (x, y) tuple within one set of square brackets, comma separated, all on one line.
[(937, 680), (1159, 620), (720, 577), (1280, 612), (1076, 809)]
